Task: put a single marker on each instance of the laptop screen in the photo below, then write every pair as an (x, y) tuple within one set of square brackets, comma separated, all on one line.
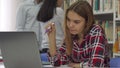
[(20, 50)]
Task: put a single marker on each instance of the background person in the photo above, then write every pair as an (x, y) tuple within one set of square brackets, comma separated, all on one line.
[(26, 17), (51, 11), (33, 16)]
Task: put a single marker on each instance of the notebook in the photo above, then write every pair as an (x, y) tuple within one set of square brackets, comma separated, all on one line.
[(20, 50)]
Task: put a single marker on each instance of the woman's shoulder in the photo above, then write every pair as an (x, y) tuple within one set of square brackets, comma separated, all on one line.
[(26, 3), (59, 15), (59, 11), (96, 29)]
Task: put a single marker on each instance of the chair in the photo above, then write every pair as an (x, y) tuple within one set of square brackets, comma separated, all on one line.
[(115, 63)]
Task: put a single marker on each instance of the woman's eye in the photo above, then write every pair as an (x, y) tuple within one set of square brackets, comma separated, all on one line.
[(68, 20), (77, 22)]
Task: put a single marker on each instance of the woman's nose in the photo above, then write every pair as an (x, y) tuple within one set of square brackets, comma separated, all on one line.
[(71, 24)]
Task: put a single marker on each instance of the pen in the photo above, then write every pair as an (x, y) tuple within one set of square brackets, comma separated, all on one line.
[(49, 28)]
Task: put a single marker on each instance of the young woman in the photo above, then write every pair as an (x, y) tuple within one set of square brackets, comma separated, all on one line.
[(33, 16), (85, 44), (51, 11)]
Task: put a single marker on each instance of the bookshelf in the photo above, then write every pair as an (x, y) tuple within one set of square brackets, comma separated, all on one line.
[(107, 14)]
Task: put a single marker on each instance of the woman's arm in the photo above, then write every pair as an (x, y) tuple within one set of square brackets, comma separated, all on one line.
[(20, 18), (57, 56), (52, 38)]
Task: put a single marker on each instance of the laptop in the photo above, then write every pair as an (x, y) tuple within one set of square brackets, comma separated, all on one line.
[(20, 50)]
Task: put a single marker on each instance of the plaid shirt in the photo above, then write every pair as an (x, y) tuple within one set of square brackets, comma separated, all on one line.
[(91, 51)]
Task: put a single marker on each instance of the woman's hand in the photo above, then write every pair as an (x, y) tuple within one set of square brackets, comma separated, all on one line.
[(74, 65), (51, 32)]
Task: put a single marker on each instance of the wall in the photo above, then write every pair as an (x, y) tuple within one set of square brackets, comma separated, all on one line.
[(8, 14)]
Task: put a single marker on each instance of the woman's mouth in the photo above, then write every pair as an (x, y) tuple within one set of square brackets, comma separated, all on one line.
[(72, 30)]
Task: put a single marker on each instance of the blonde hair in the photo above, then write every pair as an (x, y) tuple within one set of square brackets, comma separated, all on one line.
[(82, 8)]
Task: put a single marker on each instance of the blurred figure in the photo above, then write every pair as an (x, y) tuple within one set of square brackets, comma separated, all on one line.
[(34, 15), (26, 17)]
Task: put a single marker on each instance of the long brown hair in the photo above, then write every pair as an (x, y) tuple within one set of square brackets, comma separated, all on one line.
[(82, 8)]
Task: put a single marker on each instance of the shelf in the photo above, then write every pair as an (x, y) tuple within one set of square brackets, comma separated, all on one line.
[(116, 55), (117, 19), (102, 12), (110, 42), (104, 15)]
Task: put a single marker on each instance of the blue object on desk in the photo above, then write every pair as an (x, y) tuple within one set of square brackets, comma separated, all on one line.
[(115, 63), (44, 57)]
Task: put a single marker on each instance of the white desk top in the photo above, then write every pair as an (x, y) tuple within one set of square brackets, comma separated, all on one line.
[(2, 65), (47, 66), (62, 66)]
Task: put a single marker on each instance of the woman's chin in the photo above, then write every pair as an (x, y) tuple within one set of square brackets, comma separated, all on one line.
[(73, 33)]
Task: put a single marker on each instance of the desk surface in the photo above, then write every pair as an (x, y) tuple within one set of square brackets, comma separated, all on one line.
[(62, 66), (46, 66), (2, 65)]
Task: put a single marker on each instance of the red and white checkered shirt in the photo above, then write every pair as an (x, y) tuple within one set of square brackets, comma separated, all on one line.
[(91, 51)]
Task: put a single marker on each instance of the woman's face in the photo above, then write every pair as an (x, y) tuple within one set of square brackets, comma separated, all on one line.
[(75, 23), (60, 2)]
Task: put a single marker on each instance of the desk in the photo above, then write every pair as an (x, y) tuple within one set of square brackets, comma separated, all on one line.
[(2, 65), (44, 66), (50, 66)]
